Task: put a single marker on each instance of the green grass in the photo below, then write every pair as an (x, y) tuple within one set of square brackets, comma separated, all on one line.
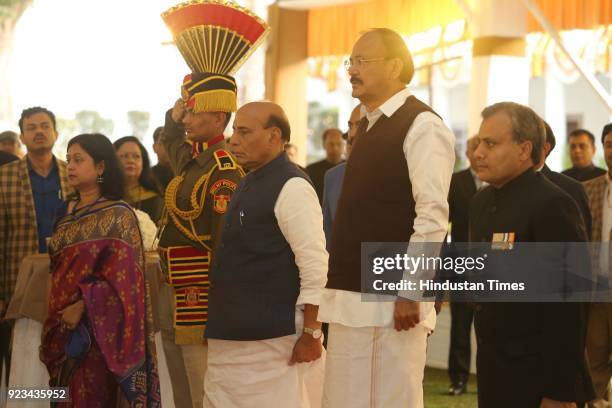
[(435, 387)]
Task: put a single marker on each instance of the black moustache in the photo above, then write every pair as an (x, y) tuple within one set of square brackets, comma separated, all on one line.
[(356, 81)]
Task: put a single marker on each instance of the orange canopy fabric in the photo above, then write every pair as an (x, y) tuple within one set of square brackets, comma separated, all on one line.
[(573, 14), (333, 30)]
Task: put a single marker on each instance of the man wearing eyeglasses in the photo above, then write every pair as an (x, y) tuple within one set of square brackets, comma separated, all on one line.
[(395, 189)]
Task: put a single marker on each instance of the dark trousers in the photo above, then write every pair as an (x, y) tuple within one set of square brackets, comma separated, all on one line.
[(6, 331), (495, 373), (462, 315)]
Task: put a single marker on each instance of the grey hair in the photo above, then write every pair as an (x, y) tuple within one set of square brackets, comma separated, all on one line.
[(9, 134), (527, 126)]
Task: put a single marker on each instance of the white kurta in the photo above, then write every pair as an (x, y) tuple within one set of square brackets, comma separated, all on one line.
[(257, 373), (368, 326)]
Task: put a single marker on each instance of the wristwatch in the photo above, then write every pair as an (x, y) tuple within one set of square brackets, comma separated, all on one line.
[(315, 333)]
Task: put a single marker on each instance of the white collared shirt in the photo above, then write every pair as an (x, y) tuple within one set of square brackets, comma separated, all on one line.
[(300, 220), (430, 157)]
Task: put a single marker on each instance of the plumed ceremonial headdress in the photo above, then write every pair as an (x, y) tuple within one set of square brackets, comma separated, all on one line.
[(215, 37)]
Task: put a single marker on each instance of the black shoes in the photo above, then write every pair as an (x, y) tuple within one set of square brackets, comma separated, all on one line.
[(457, 389)]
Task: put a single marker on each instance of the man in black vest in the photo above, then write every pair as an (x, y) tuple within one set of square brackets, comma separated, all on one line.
[(529, 354), (395, 189), (267, 275)]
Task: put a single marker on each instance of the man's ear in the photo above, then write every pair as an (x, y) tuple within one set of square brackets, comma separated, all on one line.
[(396, 68), (526, 149), (276, 133)]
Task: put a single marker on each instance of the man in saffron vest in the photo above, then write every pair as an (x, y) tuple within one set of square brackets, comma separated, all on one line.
[(395, 189)]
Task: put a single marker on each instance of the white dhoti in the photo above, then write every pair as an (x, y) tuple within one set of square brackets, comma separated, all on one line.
[(374, 367), (27, 371), (257, 374)]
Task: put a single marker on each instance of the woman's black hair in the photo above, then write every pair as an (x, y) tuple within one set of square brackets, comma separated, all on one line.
[(101, 150), (146, 176)]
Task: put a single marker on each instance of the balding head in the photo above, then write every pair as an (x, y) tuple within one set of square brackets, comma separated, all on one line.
[(261, 130), (270, 114)]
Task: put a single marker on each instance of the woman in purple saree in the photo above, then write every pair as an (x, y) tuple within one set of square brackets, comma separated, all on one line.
[(98, 338)]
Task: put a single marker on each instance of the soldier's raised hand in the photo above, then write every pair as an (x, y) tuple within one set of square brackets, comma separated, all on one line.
[(178, 111)]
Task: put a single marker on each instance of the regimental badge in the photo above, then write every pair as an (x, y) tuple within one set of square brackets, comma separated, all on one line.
[(191, 306), (224, 160), (503, 241), (221, 202), (192, 296), (222, 192)]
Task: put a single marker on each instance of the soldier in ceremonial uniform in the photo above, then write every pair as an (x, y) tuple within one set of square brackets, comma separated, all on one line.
[(196, 201), (530, 355), (206, 177)]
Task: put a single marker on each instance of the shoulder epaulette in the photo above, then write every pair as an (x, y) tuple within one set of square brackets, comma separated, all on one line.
[(224, 160)]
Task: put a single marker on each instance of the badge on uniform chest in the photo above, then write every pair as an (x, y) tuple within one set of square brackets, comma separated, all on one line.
[(502, 241), (221, 192)]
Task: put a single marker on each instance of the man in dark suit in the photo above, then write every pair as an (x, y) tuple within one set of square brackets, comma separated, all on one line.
[(582, 149), (7, 158), (333, 142), (334, 178), (572, 187), (464, 184), (530, 355), (162, 173), (9, 143)]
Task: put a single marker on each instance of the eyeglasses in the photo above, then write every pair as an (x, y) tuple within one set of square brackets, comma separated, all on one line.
[(360, 62)]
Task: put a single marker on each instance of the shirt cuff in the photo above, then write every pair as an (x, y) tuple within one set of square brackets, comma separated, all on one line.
[(423, 273), (309, 297)]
